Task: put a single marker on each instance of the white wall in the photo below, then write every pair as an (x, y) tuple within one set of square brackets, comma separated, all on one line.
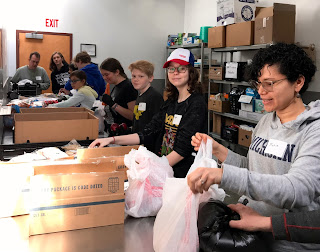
[(203, 13), (127, 30)]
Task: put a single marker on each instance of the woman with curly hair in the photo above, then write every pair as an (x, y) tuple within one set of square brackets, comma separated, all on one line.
[(281, 172), (179, 118)]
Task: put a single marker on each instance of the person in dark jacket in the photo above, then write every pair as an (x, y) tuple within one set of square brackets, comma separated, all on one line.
[(181, 116), (149, 100), (94, 77), (123, 96), (297, 227), (60, 71)]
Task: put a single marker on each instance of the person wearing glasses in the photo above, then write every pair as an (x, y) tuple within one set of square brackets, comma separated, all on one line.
[(179, 118), (281, 171), (85, 95)]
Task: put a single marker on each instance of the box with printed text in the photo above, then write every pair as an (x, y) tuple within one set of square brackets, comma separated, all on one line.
[(75, 197)]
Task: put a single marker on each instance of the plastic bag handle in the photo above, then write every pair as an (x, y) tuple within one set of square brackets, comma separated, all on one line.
[(205, 149)]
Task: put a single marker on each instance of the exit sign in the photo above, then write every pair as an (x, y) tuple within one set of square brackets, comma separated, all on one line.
[(52, 22)]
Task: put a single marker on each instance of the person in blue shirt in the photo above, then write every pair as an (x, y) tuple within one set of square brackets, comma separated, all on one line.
[(94, 77)]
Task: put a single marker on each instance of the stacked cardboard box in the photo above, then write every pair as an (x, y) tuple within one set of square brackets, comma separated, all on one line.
[(55, 127)]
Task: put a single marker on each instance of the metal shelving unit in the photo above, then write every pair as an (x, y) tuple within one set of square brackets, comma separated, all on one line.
[(235, 83), (222, 83), (233, 116)]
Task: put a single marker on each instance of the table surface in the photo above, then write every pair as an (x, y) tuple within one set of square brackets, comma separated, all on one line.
[(136, 234)]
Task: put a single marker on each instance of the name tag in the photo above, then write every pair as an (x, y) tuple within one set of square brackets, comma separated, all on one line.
[(276, 147), (176, 119), (142, 106), (38, 77)]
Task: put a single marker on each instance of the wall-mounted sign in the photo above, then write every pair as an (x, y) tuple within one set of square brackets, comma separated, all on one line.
[(52, 22)]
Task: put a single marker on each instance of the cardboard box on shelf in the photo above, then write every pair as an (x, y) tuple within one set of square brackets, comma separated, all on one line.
[(216, 127), (68, 198), (219, 106), (55, 110), (275, 24), (55, 127), (217, 37), (205, 82), (250, 115), (235, 11), (247, 103), (240, 34), (216, 73), (244, 137)]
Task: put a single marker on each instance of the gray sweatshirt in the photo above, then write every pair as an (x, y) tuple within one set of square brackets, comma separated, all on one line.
[(290, 182), (38, 75)]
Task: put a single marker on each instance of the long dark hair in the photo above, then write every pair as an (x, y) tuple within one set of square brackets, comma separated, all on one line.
[(112, 65), (52, 65), (193, 84)]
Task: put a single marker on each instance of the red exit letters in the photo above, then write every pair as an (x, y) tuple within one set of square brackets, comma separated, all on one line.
[(51, 22)]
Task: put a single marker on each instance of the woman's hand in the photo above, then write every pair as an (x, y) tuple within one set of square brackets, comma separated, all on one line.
[(101, 142), (202, 178), (250, 220), (197, 139)]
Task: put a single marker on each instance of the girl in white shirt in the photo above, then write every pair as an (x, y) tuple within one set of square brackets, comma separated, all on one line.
[(85, 95)]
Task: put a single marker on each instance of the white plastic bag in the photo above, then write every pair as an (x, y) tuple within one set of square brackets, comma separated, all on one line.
[(175, 227), (146, 175)]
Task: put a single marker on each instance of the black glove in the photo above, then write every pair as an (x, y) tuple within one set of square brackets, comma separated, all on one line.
[(108, 100)]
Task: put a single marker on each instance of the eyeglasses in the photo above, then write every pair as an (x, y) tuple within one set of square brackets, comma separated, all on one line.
[(266, 85), (180, 69), (74, 81)]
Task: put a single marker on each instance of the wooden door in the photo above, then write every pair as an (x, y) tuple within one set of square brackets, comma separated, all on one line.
[(51, 42)]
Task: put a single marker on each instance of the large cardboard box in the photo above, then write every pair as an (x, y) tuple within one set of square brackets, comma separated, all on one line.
[(244, 137), (219, 106), (15, 188), (55, 127), (15, 181), (67, 198), (235, 11), (55, 110), (240, 34), (217, 37), (275, 24), (106, 154)]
